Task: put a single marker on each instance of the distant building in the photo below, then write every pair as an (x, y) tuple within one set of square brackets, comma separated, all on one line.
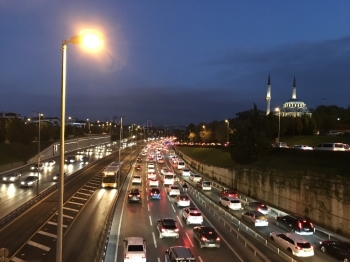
[(9, 115), (293, 107)]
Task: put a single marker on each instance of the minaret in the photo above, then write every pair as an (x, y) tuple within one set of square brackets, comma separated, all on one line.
[(268, 96), (294, 93)]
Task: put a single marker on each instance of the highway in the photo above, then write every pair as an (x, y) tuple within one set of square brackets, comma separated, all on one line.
[(85, 218)]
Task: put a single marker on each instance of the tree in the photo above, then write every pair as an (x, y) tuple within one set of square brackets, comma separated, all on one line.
[(249, 141), (15, 130)]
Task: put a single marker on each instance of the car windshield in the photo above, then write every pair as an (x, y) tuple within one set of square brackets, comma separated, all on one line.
[(169, 223), (155, 191), (260, 217), (174, 187), (304, 245), (109, 179), (137, 177), (236, 201), (206, 183), (168, 177), (195, 214), (135, 248)]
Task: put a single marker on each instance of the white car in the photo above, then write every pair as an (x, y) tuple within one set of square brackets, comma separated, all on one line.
[(182, 200), (256, 218), (136, 179), (151, 176), (166, 171), (294, 243), (173, 190), (50, 163), (186, 172), (154, 182), (195, 177), (192, 215), (303, 147), (231, 202), (135, 249), (160, 161)]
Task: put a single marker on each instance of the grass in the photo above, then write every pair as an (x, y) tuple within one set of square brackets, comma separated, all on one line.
[(328, 163)]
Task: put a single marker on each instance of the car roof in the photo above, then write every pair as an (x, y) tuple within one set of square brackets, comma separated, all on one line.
[(257, 213), (296, 237), (135, 240)]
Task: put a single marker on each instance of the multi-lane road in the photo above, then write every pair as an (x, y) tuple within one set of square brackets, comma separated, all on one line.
[(32, 236)]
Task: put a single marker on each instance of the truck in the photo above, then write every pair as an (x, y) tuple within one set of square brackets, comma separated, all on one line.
[(110, 175)]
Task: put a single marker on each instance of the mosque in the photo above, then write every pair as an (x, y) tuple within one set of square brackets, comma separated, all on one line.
[(293, 107)]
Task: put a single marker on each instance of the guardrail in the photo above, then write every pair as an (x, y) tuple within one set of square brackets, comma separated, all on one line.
[(326, 232)]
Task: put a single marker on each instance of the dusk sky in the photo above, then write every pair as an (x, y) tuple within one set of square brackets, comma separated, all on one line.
[(175, 62)]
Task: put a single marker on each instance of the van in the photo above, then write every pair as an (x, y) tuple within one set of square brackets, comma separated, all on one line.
[(204, 184), (179, 253), (330, 147), (181, 165)]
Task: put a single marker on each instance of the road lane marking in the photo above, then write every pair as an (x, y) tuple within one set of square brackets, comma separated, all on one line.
[(71, 209), (148, 207), (35, 244), (150, 220), (189, 240), (173, 208), (16, 259), (55, 224), (47, 234), (154, 240), (200, 259), (75, 203), (80, 198), (179, 220), (158, 259)]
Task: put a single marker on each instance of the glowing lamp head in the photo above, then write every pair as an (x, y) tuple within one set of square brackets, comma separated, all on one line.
[(91, 41)]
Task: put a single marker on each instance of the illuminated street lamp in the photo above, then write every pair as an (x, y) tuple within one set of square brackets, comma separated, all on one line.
[(279, 123), (88, 123), (90, 41), (228, 129)]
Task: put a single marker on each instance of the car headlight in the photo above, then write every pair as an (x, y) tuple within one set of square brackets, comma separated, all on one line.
[(12, 179), (22, 183)]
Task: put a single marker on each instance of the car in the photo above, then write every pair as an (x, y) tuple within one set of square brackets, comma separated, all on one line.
[(179, 254), (84, 160), (150, 169), (295, 224), (13, 177), (50, 163), (56, 177), (134, 195), (37, 167), (192, 215), (256, 218), (204, 184), (109, 150), (138, 168), (139, 160), (257, 206), (303, 147), (182, 200), (293, 243), (228, 193), (167, 228), (151, 176), (136, 179), (70, 159), (166, 171), (153, 182), (280, 145), (195, 177), (29, 181), (173, 190), (337, 249), (180, 164), (186, 172), (154, 193), (143, 153), (206, 236), (160, 161), (231, 202), (135, 249), (330, 147)]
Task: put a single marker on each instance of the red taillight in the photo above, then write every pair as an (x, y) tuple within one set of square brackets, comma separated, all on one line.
[(176, 230), (311, 224), (299, 224), (151, 194), (130, 195), (138, 195), (163, 229), (299, 248), (203, 239), (218, 239)]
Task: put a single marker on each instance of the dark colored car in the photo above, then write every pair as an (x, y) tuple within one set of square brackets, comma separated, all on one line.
[(228, 193), (85, 160), (138, 167), (56, 177), (257, 206), (167, 228), (70, 159), (139, 159), (29, 181), (295, 224), (206, 236), (337, 249), (154, 193), (134, 195)]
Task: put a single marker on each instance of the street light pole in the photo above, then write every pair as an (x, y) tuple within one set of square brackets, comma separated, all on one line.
[(120, 144), (228, 130), (90, 40), (279, 123)]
